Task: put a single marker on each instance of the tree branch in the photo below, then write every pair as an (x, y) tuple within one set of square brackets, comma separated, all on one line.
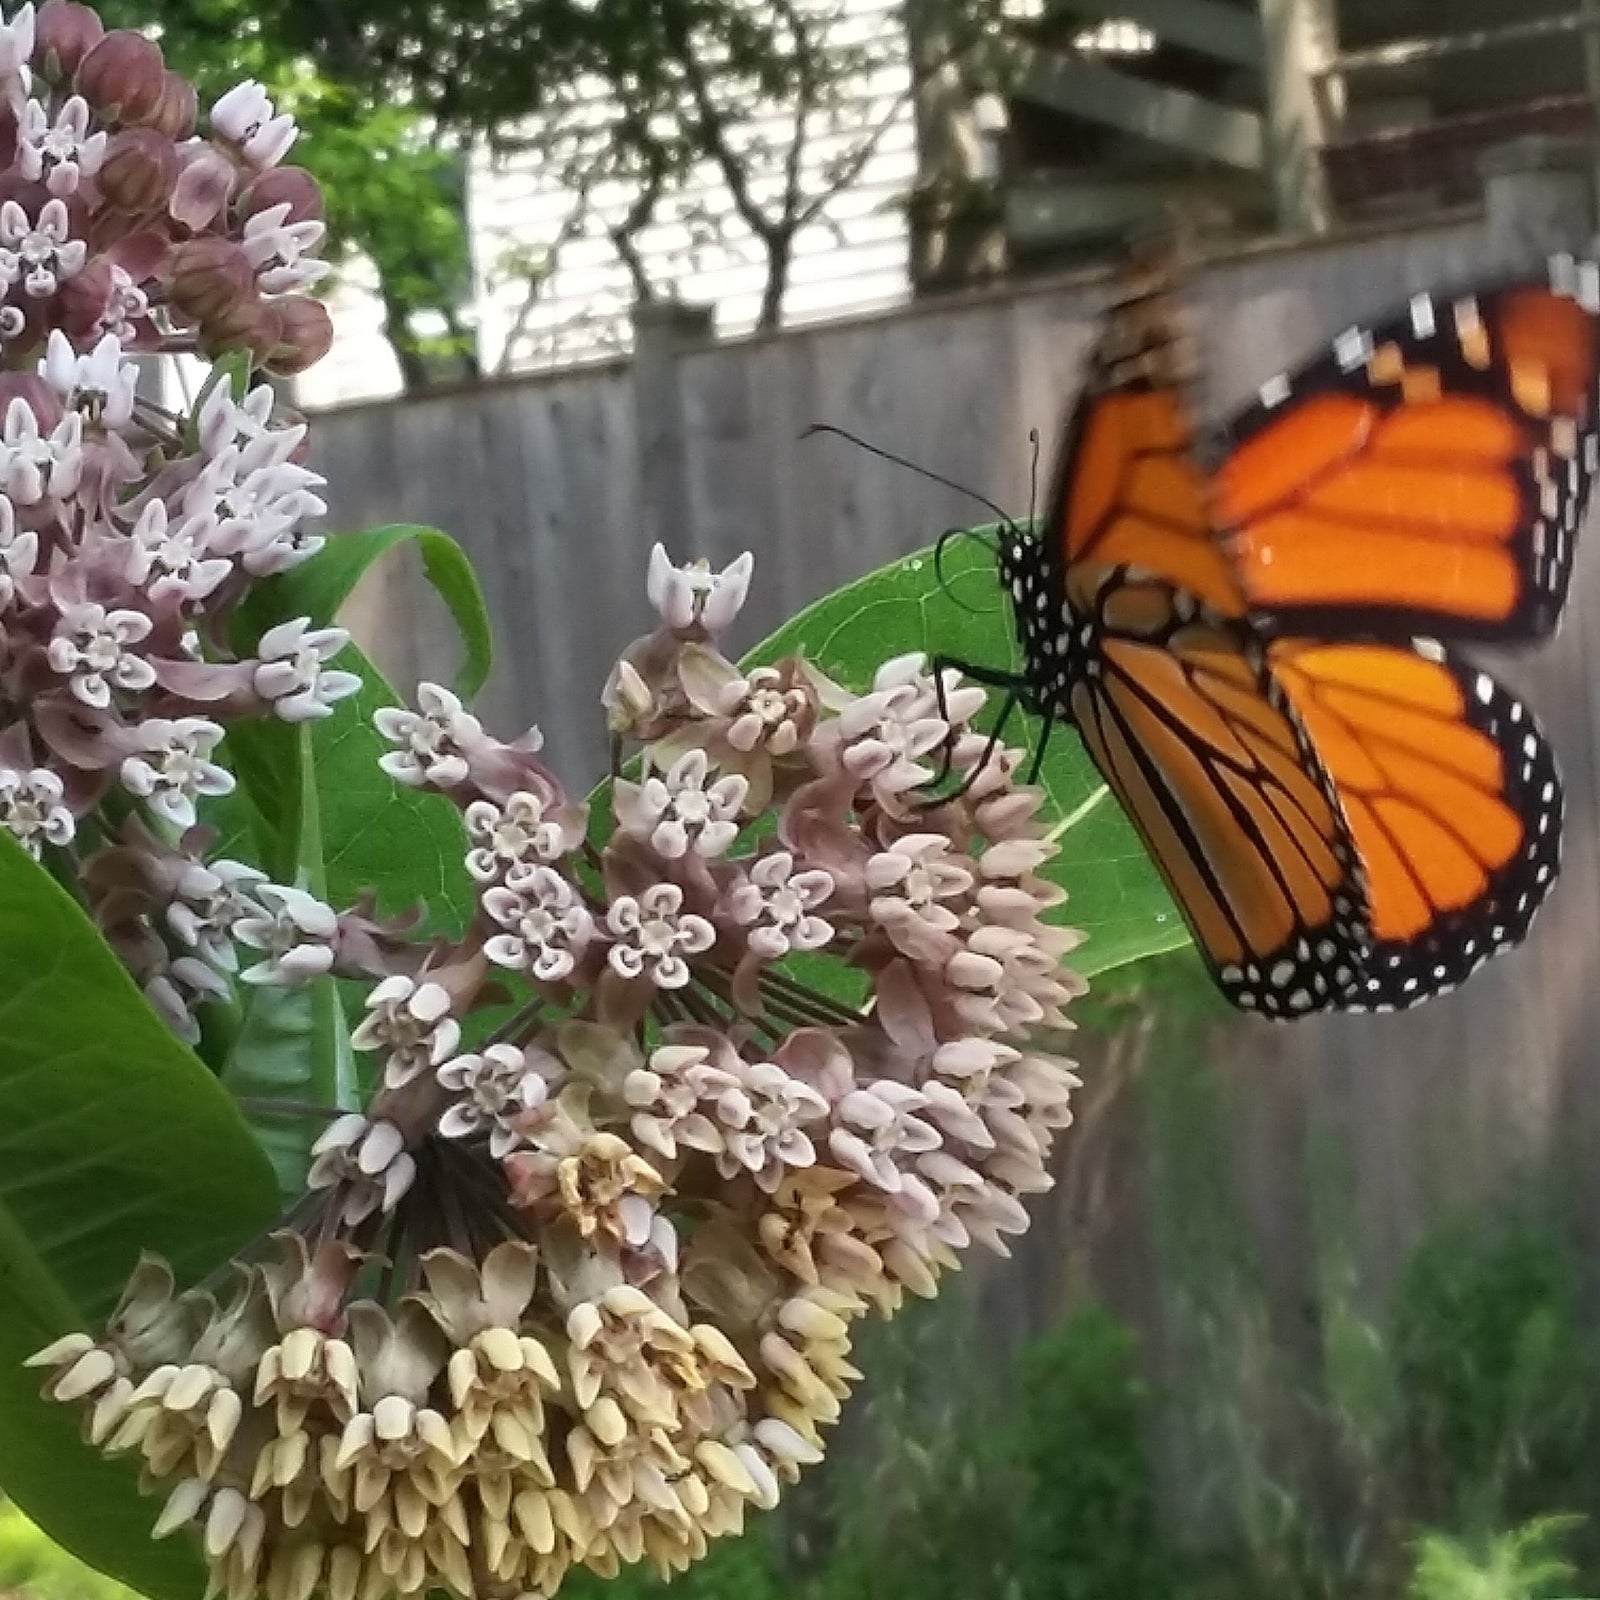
[(713, 127), (571, 227)]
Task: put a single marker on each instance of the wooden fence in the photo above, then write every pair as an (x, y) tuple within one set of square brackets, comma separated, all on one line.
[(557, 489)]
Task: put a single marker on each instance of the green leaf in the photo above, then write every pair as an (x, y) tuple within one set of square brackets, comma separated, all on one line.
[(1117, 897), (292, 1047), (265, 756), (319, 587), (403, 844), (271, 1060), (113, 1139)]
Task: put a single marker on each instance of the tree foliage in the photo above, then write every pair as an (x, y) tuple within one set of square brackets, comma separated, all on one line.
[(392, 180), (633, 107)]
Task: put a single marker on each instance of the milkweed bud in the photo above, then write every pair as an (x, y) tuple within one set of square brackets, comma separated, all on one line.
[(64, 34), (123, 77), (306, 335)]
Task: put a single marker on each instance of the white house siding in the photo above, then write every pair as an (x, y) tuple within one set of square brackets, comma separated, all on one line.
[(856, 259)]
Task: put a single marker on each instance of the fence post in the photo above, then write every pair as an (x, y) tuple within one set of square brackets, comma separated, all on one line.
[(1538, 196), (1298, 37), (662, 332)]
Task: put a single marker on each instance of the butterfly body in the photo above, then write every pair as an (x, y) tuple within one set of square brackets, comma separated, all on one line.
[(1350, 814)]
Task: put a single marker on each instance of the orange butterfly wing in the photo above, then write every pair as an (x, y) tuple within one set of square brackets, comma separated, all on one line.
[(1132, 628), (1216, 775), (1426, 477), (1128, 491), (1453, 801)]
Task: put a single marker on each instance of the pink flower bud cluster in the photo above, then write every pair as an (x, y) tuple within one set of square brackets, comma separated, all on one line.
[(576, 1286), (126, 539), (118, 217), (128, 534)]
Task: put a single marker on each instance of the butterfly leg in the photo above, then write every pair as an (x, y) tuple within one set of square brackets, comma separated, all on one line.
[(990, 677), (1037, 764)]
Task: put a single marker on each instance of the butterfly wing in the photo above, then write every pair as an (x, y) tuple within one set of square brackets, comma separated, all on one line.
[(1453, 802), (1128, 490), (1183, 722), (1132, 627), (1427, 476)]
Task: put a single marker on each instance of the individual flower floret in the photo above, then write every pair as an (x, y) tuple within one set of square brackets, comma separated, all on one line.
[(294, 675), (95, 650), (35, 466), (772, 1136), (171, 560), (528, 828), (101, 385), (411, 1023), (59, 154), (368, 1160), (694, 598), (171, 766), (245, 115), (278, 249), (547, 926), (296, 933), (493, 1092), (775, 904), (685, 809), (39, 252), (32, 808), (653, 936), (434, 740)]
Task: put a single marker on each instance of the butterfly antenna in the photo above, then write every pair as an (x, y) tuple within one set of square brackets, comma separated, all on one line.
[(911, 466), (1033, 475), (938, 563)]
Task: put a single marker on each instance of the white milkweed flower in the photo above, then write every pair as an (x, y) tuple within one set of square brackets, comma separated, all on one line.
[(101, 384), (771, 1136), (35, 466), (524, 829), (245, 115), (171, 560), (277, 248), (94, 649), (686, 809), (296, 933), (40, 253), (294, 674), (209, 900), (776, 905), (432, 739), (370, 1157), (32, 808), (653, 934), (492, 1091), (411, 1023), (547, 926), (695, 596), (62, 153), (170, 767)]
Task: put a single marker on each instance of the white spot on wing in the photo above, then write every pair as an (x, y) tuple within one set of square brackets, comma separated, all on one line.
[(1352, 347), (1275, 391)]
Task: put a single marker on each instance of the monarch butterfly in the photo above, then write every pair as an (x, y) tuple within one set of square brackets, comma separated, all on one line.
[(1256, 644)]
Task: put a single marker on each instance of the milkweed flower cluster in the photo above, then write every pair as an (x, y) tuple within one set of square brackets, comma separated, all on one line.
[(733, 1056), (128, 535)]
